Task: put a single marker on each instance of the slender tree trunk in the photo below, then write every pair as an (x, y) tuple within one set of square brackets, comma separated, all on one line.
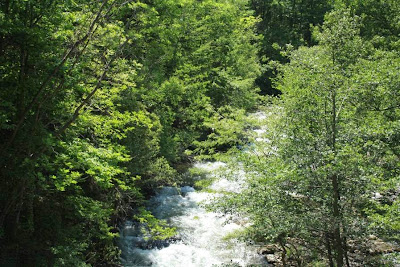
[(283, 253), (338, 243), (346, 256), (18, 214), (21, 89), (329, 249)]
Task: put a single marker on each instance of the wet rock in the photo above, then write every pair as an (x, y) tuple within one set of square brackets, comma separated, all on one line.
[(378, 246), (268, 249), (187, 189), (272, 258)]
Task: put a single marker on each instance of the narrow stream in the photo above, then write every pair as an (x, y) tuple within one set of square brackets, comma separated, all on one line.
[(200, 240)]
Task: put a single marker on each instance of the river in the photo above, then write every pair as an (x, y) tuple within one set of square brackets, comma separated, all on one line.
[(200, 240)]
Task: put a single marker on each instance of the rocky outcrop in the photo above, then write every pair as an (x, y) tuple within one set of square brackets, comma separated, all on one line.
[(272, 254), (360, 252), (378, 246)]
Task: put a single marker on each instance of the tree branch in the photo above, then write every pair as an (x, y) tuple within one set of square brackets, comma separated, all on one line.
[(52, 74), (86, 100)]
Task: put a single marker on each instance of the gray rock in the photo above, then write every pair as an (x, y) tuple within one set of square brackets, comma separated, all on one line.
[(272, 258)]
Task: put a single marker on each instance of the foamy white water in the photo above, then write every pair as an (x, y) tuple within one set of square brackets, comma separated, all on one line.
[(200, 241)]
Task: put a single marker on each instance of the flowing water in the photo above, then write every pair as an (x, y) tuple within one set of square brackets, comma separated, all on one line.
[(200, 240)]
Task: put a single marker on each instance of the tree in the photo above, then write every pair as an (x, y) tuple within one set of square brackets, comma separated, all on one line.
[(98, 103), (285, 22), (312, 183)]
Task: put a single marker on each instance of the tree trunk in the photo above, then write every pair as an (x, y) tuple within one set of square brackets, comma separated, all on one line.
[(329, 249), (338, 243), (283, 253), (346, 256)]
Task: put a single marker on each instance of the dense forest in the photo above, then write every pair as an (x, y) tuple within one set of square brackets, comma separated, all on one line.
[(102, 102)]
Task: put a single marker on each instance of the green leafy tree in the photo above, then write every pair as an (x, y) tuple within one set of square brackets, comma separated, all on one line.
[(99, 100), (313, 182), (285, 22)]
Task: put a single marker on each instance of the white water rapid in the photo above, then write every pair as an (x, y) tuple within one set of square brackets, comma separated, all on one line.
[(200, 241)]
